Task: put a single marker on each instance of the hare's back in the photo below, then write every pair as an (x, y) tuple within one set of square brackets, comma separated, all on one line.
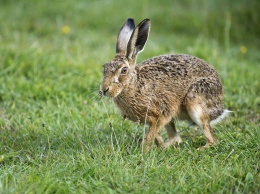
[(177, 66)]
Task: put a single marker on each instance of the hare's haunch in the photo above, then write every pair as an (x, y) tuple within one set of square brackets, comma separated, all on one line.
[(163, 88)]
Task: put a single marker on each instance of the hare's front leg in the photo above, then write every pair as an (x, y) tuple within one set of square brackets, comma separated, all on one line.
[(173, 136), (148, 139), (153, 134)]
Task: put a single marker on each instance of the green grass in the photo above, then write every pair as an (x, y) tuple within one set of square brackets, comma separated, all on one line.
[(55, 135)]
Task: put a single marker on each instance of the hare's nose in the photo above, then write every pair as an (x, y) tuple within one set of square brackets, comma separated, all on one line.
[(105, 91)]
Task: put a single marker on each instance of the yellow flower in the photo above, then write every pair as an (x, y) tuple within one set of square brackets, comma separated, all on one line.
[(65, 29), (243, 49), (2, 157)]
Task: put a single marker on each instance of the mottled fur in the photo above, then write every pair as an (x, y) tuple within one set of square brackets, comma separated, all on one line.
[(163, 88)]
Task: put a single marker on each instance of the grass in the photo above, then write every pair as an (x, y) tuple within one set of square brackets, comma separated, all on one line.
[(55, 135)]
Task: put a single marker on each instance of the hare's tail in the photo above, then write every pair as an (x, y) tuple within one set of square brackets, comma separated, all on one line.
[(220, 117)]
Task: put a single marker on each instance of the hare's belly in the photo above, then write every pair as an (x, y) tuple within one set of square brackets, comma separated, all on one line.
[(145, 111)]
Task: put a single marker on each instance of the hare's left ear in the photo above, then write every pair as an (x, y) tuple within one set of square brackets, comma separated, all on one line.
[(124, 35), (138, 39)]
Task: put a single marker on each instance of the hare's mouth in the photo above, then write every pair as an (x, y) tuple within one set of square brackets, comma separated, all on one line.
[(109, 92), (113, 93)]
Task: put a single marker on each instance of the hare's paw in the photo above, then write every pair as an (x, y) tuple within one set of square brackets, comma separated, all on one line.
[(176, 140), (208, 145)]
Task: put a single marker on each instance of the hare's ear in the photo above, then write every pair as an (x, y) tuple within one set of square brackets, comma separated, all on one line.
[(124, 35), (138, 39)]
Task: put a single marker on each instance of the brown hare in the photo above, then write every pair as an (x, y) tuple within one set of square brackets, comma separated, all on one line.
[(163, 88)]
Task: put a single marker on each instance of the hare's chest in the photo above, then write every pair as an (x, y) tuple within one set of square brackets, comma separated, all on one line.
[(134, 109)]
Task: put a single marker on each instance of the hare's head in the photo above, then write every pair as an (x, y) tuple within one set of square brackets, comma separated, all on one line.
[(118, 73)]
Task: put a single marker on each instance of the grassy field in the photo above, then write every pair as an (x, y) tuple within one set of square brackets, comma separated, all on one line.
[(55, 135)]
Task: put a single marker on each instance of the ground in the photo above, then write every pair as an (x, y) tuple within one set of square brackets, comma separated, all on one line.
[(57, 136)]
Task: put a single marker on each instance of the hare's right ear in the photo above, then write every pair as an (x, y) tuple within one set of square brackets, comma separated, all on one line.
[(124, 35), (138, 39)]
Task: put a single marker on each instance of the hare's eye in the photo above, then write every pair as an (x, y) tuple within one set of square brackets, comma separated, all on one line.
[(124, 70)]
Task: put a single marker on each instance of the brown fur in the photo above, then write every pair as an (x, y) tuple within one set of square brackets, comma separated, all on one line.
[(163, 88)]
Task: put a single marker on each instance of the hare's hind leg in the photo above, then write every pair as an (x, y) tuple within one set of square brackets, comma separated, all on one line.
[(200, 117), (202, 100), (173, 136), (196, 106)]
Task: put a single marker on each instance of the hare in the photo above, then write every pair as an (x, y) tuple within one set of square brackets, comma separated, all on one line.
[(162, 89)]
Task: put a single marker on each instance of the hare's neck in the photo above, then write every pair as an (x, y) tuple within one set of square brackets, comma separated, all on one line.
[(127, 102), (128, 93), (131, 87)]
